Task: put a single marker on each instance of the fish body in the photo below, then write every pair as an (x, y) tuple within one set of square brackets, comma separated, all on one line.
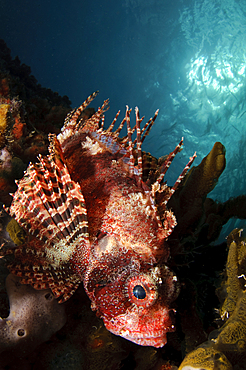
[(94, 214)]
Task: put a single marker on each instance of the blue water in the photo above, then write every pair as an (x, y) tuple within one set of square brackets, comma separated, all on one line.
[(187, 58)]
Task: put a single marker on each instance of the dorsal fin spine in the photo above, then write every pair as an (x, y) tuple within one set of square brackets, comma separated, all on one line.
[(129, 135), (139, 144)]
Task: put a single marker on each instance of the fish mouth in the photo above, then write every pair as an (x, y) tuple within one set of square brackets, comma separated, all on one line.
[(143, 330), (152, 341)]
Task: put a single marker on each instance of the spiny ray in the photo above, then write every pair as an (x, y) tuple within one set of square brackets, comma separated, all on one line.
[(73, 116), (168, 161)]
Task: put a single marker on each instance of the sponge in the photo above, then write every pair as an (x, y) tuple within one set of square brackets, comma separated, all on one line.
[(34, 317)]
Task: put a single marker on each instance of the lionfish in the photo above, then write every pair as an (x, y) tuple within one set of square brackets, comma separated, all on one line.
[(94, 211)]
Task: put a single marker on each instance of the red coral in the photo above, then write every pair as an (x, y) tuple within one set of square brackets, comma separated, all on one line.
[(18, 129)]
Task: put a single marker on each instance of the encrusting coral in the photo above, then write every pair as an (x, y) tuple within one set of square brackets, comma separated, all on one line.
[(15, 232), (4, 109), (205, 357)]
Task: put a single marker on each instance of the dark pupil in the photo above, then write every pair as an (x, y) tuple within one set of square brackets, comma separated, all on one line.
[(139, 292)]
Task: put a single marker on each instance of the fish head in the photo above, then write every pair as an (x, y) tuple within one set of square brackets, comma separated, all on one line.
[(131, 293)]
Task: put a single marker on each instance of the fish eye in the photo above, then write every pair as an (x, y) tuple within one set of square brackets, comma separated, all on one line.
[(139, 292), (142, 290)]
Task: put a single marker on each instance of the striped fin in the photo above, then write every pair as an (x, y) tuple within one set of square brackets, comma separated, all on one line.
[(108, 139), (150, 167), (78, 120), (51, 208), (129, 150), (74, 116), (30, 265)]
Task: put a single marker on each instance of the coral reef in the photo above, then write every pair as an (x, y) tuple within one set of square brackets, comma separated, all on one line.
[(226, 347), (28, 113)]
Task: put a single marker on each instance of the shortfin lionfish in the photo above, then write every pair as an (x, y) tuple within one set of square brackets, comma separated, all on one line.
[(95, 211)]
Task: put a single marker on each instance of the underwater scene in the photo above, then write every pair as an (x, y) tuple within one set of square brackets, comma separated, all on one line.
[(123, 185)]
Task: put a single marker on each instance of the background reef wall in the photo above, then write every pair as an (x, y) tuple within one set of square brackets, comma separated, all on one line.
[(28, 113)]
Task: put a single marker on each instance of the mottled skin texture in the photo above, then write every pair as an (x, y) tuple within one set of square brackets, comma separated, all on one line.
[(109, 195), (125, 241), (95, 220)]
